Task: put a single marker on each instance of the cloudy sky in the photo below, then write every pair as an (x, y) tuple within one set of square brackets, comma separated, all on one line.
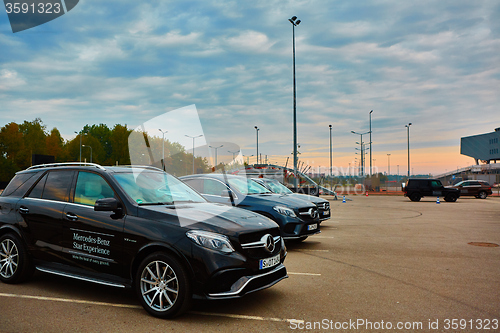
[(432, 63)]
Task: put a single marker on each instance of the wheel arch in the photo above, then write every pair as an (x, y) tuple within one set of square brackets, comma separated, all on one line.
[(160, 247)]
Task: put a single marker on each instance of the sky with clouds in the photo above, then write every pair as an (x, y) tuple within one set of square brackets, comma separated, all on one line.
[(432, 63)]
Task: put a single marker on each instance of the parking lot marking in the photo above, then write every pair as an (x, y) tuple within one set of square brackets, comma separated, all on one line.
[(311, 274), (308, 250), (227, 315), (56, 299), (236, 316)]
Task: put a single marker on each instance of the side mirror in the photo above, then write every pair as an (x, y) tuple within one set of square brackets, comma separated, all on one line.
[(107, 205)]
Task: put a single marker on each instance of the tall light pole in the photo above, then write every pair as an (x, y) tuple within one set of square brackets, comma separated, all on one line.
[(388, 165), (163, 148), (362, 150), (330, 126), (257, 131), (408, 141), (216, 153), (294, 23), (193, 137), (233, 152), (80, 134), (371, 170), (90, 152)]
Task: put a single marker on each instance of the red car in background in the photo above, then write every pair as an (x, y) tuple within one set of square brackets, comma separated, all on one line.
[(478, 188)]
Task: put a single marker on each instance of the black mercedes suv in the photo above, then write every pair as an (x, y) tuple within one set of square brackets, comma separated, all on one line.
[(275, 186), (298, 219), (134, 227), (416, 188)]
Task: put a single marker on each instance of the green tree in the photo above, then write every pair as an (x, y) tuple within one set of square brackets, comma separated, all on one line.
[(119, 145), (54, 145)]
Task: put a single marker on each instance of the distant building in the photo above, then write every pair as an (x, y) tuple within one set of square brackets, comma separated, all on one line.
[(482, 147)]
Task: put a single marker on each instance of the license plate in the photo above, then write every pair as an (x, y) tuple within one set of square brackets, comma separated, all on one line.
[(326, 213), (312, 227), (269, 262)]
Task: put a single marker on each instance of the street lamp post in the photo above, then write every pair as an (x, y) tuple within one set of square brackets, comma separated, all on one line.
[(294, 23), (330, 126), (371, 170), (388, 165), (193, 137), (362, 151), (233, 152), (163, 148), (257, 132), (248, 158), (80, 134), (216, 153), (90, 152), (408, 141)]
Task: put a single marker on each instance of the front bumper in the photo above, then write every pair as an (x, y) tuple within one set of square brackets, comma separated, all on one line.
[(252, 283)]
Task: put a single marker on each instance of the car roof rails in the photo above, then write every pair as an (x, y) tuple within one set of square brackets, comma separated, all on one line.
[(138, 166), (51, 165)]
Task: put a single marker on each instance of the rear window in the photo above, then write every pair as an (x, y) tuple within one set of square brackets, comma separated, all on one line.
[(54, 185), (20, 184)]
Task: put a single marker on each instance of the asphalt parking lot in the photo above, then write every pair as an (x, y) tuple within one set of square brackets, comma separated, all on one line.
[(381, 263)]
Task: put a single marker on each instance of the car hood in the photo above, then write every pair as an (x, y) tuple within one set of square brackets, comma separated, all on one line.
[(273, 199), (210, 216), (307, 197)]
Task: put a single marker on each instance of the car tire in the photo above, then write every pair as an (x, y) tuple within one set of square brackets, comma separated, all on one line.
[(415, 197), (482, 195), (15, 264), (451, 197), (163, 286)]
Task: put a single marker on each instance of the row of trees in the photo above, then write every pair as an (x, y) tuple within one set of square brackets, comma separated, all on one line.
[(104, 145)]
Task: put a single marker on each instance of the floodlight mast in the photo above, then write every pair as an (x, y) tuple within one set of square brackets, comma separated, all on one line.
[(294, 23)]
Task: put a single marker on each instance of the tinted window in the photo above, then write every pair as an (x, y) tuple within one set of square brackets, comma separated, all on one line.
[(18, 181), (90, 187), (214, 187), (57, 185), (435, 183), (37, 191), (197, 184)]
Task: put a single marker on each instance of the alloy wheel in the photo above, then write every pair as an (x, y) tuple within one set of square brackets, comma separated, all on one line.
[(159, 286), (9, 258)]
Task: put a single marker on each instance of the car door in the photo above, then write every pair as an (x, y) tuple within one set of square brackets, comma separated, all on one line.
[(474, 188), (92, 240), (41, 212), (437, 187), (464, 188)]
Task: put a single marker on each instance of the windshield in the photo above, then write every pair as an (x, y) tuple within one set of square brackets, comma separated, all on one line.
[(247, 186), (277, 187), (154, 188)]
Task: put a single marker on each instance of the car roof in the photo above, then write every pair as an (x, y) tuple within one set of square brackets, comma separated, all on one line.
[(214, 175), (88, 166)]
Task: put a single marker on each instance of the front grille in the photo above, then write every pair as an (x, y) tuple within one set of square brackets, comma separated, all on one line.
[(323, 205), (308, 214), (252, 246)]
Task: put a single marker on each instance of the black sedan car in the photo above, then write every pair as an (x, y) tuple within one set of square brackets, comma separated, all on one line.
[(276, 187), (297, 218), (134, 227)]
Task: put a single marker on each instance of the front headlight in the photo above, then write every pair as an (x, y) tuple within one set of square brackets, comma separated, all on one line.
[(285, 211), (210, 240)]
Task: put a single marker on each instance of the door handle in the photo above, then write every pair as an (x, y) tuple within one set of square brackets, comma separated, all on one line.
[(23, 210), (71, 216)]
